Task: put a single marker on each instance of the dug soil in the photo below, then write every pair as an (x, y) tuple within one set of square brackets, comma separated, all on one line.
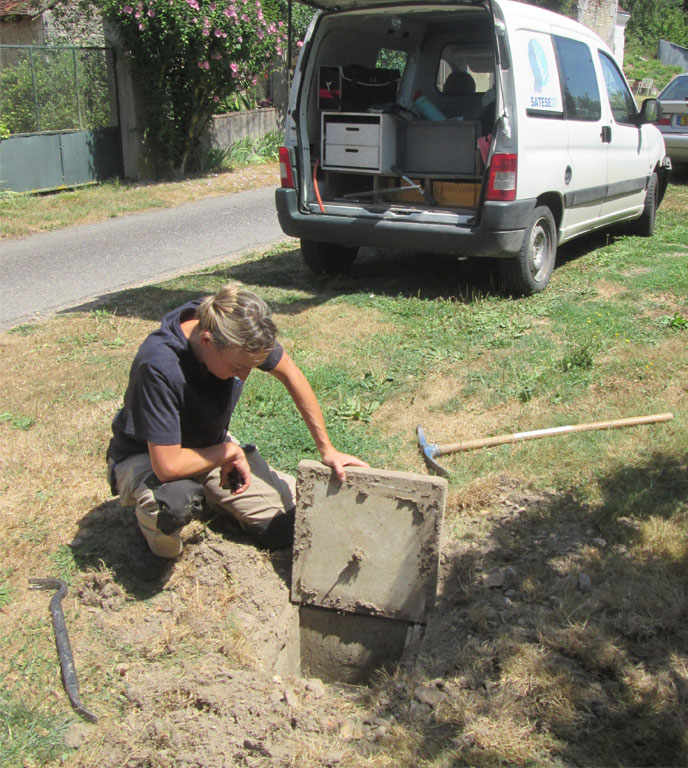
[(195, 647)]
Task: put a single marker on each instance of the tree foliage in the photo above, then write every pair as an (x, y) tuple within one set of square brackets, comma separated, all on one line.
[(190, 56), (54, 89), (652, 20)]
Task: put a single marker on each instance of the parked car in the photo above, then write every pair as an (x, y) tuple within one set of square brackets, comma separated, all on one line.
[(673, 118), (493, 129)]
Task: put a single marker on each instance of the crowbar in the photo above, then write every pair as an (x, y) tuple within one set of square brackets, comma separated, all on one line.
[(431, 451), (64, 649)]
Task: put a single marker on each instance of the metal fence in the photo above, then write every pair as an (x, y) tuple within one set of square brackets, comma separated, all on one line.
[(56, 88)]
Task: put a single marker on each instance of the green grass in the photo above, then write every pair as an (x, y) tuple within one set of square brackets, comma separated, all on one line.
[(28, 736), (584, 679)]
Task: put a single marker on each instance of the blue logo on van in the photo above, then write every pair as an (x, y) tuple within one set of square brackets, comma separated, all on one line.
[(538, 65)]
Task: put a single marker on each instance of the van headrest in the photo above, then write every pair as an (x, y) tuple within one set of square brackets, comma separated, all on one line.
[(459, 82)]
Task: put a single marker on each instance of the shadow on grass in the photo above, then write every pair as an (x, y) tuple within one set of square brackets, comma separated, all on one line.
[(392, 273), (564, 674), (109, 538)]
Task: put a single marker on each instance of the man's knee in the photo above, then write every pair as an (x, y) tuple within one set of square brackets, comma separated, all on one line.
[(178, 501)]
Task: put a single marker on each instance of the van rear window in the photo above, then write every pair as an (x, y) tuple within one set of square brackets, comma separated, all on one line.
[(578, 80)]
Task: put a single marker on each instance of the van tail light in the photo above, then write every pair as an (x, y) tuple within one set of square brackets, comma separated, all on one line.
[(663, 121), (501, 183), (286, 175)]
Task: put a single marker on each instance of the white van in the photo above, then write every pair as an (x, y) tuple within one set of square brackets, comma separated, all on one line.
[(492, 128)]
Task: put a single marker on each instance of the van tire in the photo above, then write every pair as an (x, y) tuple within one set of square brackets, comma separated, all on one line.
[(530, 271), (645, 225), (328, 258)]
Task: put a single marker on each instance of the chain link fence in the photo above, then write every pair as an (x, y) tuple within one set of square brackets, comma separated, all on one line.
[(56, 88)]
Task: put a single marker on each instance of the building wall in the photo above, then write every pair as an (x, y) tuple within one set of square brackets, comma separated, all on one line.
[(600, 16), (22, 30)]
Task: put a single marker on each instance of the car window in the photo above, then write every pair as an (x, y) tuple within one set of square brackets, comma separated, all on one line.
[(620, 98), (677, 89), (578, 80)]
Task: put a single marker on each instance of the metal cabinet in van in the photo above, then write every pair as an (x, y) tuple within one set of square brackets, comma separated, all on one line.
[(478, 129)]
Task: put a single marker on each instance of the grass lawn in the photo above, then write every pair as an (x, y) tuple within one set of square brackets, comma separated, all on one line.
[(579, 658)]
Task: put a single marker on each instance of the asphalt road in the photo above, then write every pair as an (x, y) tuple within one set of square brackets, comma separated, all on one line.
[(44, 273)]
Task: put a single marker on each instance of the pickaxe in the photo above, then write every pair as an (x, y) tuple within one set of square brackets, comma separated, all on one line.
[(430, 451)]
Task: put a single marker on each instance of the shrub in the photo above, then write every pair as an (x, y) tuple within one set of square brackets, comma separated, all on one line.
[(190, 57)]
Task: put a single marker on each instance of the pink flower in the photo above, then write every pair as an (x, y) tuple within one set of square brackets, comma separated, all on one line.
[(141, 27), (204, 64), (240, 39), (127, 9), (279, 51), (216, 56), (216, 99), (137, 15), (299, 43), (151, 12), (218, 33), (234, 68), (212, 7)]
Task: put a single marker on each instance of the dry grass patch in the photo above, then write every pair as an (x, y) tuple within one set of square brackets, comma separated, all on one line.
[(37, 213), (336, 333)]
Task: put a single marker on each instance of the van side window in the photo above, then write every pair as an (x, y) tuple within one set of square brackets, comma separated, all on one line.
[(621, 101), (578, 80), (389, 58)]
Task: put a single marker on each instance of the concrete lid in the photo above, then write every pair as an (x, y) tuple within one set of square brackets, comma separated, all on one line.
[(369, 546)]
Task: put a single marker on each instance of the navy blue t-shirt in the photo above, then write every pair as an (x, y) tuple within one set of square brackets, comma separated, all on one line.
[(172, 398)]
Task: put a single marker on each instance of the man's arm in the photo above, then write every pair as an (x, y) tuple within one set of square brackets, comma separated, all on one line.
[(172, 462), (305, 400)]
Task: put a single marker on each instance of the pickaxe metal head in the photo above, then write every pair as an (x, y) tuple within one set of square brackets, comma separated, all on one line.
[(429, 451)]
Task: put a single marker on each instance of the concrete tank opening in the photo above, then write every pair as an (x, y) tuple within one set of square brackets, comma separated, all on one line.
[(340, 647)]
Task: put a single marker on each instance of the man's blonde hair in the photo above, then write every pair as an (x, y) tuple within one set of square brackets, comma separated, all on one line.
[(236, 317)]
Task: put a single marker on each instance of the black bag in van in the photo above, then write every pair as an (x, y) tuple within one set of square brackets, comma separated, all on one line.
[(356, 88)]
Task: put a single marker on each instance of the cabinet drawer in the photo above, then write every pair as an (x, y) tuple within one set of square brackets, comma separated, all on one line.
[(362, 134), (351, 156)]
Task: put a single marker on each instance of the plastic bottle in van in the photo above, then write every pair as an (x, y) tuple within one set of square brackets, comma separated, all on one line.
[(426, 109)]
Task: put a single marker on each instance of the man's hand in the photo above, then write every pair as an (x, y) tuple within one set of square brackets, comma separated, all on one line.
[(235, 472), (333, 458)]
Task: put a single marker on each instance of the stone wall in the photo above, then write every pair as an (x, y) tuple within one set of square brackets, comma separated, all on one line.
[(224, 130)]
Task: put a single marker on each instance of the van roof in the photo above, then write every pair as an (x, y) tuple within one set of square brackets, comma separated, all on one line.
[(342, 5)]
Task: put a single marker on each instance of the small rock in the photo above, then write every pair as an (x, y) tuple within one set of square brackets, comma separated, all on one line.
[(316, 687), (429, 695), (599, 542), (419, 709), (584, 584), (122, 669), (351, 730), (494, 579), (290, 697)]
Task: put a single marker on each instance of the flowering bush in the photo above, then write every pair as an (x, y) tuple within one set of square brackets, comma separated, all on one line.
[(189, 57)]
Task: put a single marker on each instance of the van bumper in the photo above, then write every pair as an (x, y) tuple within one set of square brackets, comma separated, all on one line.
[(500, 232)]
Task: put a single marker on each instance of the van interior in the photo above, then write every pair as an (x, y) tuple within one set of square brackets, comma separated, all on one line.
[(399, 106)]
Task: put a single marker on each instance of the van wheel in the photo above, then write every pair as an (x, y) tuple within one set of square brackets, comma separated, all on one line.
[(645, 225), (328, 258), (530, 271)]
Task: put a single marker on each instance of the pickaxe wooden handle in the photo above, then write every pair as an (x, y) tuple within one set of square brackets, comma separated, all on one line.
[(431, 450)]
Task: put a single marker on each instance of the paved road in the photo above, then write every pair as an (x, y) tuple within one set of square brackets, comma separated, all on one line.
[(41, 274)]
